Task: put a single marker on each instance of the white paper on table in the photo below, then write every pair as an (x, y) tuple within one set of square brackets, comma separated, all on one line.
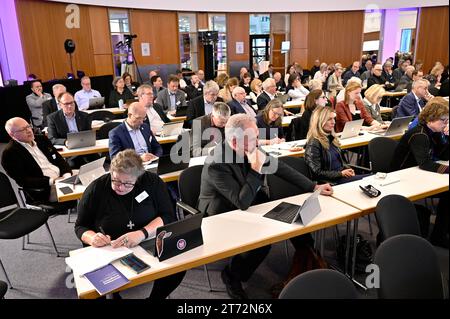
[(195, 161)]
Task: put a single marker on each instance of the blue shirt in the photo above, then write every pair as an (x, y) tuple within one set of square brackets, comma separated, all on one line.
[(71, 123), (140, 146), (82, 98), (173, 100)]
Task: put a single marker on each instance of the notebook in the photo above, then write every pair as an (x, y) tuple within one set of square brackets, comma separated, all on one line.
[(291, 213)]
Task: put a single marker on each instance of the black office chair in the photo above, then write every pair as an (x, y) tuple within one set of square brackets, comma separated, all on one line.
[(320, 284), (16, 222), (381, 152), (103, 131), (103, 115), (3, 289), (396, 215), (409, 269)]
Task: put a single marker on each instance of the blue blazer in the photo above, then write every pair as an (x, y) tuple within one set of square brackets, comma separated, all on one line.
[(120, 139), (408, 106), (237, 108)]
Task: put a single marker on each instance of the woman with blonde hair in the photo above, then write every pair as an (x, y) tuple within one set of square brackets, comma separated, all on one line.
[(256, 87), (225, 93), (372, 98), (335, 82), (222, 79), (322, 151), (269, 123)]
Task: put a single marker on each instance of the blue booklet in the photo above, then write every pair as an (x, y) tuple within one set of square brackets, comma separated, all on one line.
[(107, 279)]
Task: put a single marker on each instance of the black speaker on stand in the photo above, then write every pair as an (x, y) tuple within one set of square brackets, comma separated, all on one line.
[(69, 46), (209, 40)]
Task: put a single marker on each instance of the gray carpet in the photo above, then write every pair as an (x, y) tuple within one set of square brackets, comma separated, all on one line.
[(37, 273)]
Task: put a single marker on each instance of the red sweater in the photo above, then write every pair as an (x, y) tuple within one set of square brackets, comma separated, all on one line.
[(343, 114)]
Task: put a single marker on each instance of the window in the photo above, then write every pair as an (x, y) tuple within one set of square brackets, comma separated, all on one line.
[(218, 22), (259, 24), (187, 27), (407, 23), (122, 54)]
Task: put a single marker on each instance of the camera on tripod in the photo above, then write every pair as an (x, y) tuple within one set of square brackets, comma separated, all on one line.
[(127, 42)]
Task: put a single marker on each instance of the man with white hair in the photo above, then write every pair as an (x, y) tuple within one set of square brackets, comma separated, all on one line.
[(281, 86), (203, 105), (234, 178), (352, 72), (268, 94), (209, 130), (50, 106), (32, 161), (83, 96), (413, 102), (239, 103)]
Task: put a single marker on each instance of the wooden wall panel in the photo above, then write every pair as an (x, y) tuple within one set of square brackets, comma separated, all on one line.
[(299, 39), (202, 21), (432, 36), (335, 36), (101, 36), (371, 36), (103, 64), (238, 25), (160, 29)]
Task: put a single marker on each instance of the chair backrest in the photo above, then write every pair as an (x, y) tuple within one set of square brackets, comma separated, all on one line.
[(103, 131), (102, 115), (381, 152), (189, 185), (319, 284), (298, 132), (7, 195), (396, 215), (279, 188), (409, 268)]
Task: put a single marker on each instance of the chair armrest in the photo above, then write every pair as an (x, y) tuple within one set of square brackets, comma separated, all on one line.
[(186, 208)]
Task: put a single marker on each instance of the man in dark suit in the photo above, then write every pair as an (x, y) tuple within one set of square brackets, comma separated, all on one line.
[(406, 80), (32, 161), (202, 105), (66, 120), (209, 130), (50, 106), (239, 103), (155, 114), (234, 178), (279, 82), (254, 71), (195, 88), (268, 94), (135, 134), (413, 102), (171, 97), (267, 74)]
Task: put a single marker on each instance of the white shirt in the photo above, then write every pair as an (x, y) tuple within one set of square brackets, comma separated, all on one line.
[(82, 98), (48, 169), (320, 76), (270, 95), (417, 101), (154, 119), (208, 107), (298, 93), (182, 84)]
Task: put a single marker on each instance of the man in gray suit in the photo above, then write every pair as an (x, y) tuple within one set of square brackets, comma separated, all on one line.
[(172, 97), (209, 130), (234, 178), (35, 101)]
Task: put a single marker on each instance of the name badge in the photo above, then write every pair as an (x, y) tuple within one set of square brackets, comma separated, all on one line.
[(141, 197), (54, 156), (178, 103)]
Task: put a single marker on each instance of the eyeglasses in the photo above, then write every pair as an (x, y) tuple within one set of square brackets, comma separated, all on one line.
[(118, 183), (444, 119), (68, 103), (278, 114), (23, 129)]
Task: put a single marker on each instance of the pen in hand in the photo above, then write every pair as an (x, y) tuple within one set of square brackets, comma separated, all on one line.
[(107, 239)]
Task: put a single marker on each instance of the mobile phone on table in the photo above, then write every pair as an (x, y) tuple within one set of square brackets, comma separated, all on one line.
[(135, 263)]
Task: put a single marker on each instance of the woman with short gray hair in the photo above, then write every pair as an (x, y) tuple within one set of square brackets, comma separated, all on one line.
[(120, 93)]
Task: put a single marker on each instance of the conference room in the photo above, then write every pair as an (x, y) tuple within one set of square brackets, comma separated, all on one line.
[(238, 150)]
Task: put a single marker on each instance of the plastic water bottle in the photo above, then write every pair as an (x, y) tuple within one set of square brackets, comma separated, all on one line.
[(121, 104)]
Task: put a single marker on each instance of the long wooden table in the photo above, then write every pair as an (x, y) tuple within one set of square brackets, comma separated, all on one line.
[(113, 110), (226, 235)]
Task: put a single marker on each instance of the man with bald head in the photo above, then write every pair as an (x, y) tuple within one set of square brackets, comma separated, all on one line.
[(32, 161), (133, 133)]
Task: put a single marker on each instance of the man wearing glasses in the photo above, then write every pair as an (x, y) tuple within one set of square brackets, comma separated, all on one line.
[(268, 94), (32, 161), (203, 105), (133, 133)]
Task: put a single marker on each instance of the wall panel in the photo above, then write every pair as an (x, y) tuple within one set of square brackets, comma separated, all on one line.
[(238, 25)]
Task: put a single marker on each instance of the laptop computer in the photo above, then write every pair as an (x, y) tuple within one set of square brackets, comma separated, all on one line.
[(351, 129), (291, 213), (96, 103), (80, 139), (176, 238), (165, 165), (87, 173), (398, 126), (172, 129), (181, 111)]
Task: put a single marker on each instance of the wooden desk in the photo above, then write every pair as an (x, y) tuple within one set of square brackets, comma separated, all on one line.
[(294, 104), (79, 189), (177, 118), (414, 183), (97, 124), (113, 110), (395, 94), (385, 109), (101, 146), (249, 231)]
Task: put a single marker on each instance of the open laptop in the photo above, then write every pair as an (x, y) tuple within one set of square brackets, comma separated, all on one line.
[(80, 139), (351, 129), (176, 238), (290, 213), (87, 173), (96, 103), (181, 111), (398, 126), (165, 165), (172, 129)]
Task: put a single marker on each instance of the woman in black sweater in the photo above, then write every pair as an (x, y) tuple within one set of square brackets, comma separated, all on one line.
[(120, 92), (269, 123), (423, 145), (127, 204)]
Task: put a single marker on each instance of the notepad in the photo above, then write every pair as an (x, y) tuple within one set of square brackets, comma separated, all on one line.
[(107, 279), (92, 258)]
